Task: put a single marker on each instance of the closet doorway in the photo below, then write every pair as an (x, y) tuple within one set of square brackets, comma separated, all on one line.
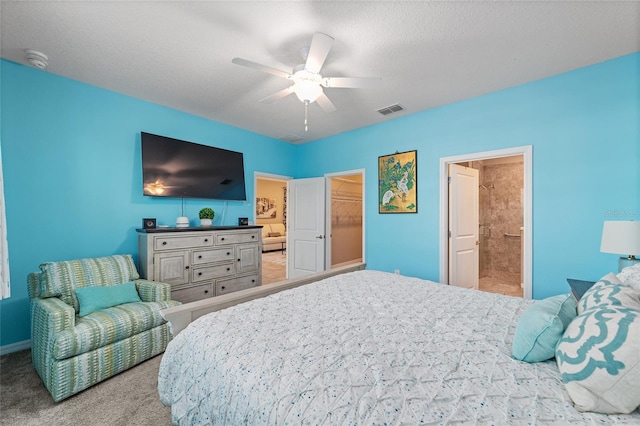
[(345, 222)]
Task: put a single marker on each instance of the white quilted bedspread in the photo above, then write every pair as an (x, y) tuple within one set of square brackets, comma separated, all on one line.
[(364, 348)]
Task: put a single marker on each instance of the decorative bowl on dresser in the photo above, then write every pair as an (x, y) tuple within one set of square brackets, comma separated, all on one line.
[(202, 262)]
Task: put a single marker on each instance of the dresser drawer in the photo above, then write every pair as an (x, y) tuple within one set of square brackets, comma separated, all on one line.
[(222, 238), (191, 294), (182, 242), (198, 262), (236, 284), (202, 273), (198, 257)]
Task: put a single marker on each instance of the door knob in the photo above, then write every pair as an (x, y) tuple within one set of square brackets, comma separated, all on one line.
[(320, 237)]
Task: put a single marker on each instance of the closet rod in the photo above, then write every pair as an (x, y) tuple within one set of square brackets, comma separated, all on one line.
[(347, 194), (345, 180)]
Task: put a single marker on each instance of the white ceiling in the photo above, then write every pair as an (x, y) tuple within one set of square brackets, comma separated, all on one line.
[(427, 54)]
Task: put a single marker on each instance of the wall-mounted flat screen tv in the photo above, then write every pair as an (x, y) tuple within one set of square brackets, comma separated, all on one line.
[(176, 168)]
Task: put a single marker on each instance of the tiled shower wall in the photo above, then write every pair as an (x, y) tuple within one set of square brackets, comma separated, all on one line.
[(500, 214)]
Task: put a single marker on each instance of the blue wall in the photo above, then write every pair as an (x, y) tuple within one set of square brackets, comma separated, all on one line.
[(71, 155), (584, 130), (73, 183)]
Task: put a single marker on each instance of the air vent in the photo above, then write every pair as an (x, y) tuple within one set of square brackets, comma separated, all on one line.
[(390, 109), (292, 139)]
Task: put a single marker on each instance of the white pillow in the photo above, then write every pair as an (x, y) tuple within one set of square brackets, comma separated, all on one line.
[(599, 359), (631, 276), (607, 292)]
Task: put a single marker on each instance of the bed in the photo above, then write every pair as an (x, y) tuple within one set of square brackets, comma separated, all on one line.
[(364, 348)]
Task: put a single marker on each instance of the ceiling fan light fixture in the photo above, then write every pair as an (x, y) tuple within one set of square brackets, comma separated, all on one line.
[(307, 91), (307, 84), (307, 81)]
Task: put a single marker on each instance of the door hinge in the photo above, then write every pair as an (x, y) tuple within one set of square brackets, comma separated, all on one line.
[(449, 234), (449, 179)]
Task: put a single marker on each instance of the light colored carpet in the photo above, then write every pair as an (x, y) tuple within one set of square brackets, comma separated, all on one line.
[(273, 267), (277, 257), (129, 398)]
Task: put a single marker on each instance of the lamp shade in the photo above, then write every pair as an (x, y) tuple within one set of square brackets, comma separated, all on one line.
[(621, 237)]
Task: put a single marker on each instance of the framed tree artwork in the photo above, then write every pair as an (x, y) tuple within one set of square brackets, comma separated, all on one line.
[(398, 183)]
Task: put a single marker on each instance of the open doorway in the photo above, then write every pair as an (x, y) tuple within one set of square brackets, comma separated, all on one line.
[(343, 218), (500, 218), (502, 235), (270, 210), (346, 226)]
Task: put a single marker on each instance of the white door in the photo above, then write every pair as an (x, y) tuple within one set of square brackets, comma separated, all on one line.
[(306, 222), (463, 226)]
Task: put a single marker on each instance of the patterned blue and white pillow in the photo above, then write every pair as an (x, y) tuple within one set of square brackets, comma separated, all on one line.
[(609, 291), (599, 359)]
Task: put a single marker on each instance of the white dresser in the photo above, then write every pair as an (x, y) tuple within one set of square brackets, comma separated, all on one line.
[(201, 262)]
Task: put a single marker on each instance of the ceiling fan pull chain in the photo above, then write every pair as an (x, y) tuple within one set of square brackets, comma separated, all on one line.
[(306, 105)]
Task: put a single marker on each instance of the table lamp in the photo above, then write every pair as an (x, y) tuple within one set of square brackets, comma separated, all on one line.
[(622, 237)]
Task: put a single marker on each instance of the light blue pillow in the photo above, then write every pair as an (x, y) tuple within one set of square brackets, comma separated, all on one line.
[(541, 326), (94, 298)]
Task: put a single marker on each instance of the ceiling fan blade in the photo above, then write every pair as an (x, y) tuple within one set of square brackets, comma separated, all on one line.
[(352, 82), (325, 103), (318, 51), (259, 67), (278, 95)]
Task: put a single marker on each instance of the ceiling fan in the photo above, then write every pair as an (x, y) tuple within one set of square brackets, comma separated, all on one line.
[(307, 81)]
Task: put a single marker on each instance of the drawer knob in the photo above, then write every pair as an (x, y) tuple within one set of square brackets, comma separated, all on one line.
[(200, 257), (228, 253), (222, 288), (238, 260), (228, 269), (253, 281), (199, 273), (253, 236), (206, 240), (164, 243), (186, 267), (222, 239), (206, 291)]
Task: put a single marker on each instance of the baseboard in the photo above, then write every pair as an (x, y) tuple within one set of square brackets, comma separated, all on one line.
[(347, 263), (15, 347)]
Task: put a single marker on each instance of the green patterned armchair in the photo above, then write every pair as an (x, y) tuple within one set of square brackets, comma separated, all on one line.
[(72, 352)]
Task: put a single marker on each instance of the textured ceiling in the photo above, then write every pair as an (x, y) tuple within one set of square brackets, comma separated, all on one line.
[(427, 54)]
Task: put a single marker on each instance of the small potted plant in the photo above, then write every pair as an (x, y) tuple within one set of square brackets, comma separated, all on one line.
[(206, 216)]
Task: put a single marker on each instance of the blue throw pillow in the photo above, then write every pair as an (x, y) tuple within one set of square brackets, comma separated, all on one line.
[(541, 326), (579, 287), (94, 298)]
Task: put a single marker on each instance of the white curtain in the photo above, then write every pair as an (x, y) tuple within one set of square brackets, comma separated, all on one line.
[(5, 286)]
